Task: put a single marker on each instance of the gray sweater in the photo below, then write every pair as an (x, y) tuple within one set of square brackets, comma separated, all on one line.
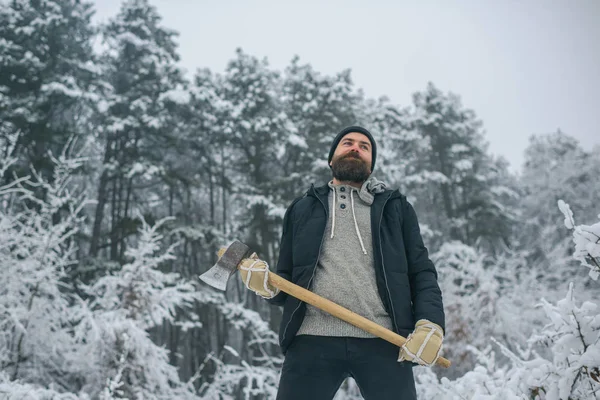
[(345, 273)]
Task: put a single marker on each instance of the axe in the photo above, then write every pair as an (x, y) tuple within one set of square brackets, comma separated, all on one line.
[(229, 261)]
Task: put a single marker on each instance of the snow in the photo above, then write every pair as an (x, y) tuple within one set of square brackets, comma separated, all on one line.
[(463, 165), (459, 148), (427, 176), (273, 210), (179, 96), (504, 191), (298, 141), (129, 37), (566, 210), (24, 390), (586, 239), (54, 87)]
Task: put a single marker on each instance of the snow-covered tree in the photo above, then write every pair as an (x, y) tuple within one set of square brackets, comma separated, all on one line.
[(245, 362), (559, 361), (140, 68), (402, 156), (470, 187), (48, 78), (400, 151), (123, 306), (207, 140), (59, 337), (571, 372), (37, 306), (254, 130), (318, 106), (470, 298), (586, 239), (556, 167), (233, 375)]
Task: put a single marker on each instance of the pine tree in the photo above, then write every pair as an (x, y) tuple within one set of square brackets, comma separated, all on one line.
[(48, 79), (208, 142), (141, 69), (470, 187), (318, 107), (555, 167), (123, 307), (255, 132)]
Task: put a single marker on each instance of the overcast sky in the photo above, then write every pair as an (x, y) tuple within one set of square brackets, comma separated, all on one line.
[(524, 67)]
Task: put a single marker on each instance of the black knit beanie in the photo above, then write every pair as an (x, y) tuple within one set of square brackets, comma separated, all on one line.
[(348, 130)]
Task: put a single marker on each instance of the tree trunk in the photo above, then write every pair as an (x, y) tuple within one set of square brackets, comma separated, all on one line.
[(211, 192), (125, 217), (114, 221), (223, 190), (102, 199)]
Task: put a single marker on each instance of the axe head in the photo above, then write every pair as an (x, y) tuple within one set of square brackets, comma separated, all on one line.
[(219, 274)]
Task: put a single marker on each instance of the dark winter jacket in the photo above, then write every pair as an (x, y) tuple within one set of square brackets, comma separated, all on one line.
[(406, 277)]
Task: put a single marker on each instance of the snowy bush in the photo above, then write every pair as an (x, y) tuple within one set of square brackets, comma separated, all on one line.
[(10, 390), (253, 380), (259, 375), (470, 297), (54, 342), (571, 336), (37, 312), (586, 239), (122, 308)]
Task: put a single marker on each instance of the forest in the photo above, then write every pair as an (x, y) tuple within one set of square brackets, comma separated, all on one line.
[(121, 177)]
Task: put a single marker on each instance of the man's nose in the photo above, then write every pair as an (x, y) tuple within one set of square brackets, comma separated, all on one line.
[(355, 150)]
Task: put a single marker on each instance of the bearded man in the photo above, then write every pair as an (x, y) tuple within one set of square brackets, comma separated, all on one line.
[(357, 243)]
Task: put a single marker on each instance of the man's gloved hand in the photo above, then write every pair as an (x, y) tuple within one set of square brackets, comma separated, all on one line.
[(255, 276), (424, 344)]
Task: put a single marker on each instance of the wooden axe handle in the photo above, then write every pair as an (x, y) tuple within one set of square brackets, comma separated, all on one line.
[(340, 312)]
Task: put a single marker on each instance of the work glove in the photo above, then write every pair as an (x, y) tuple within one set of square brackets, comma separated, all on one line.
[(255, 276), (423, 345)]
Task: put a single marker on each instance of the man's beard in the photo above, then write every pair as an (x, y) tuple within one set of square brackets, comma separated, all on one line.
[(350, 168)]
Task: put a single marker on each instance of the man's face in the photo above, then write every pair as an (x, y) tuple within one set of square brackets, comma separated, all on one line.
[(351, 160)]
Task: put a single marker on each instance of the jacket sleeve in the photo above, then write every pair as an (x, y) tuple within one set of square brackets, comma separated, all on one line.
[(425, 291), (284, 262)]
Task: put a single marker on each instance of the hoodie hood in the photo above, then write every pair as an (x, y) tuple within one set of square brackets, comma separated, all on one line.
[(369, 188)]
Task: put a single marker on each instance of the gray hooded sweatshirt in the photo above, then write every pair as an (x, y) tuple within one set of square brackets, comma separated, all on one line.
[(345, 273)]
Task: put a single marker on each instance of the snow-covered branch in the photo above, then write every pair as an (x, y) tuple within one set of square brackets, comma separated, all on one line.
[(586, 239)]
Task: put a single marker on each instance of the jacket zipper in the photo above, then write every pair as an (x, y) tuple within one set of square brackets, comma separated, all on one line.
[(314, 269), (383, 266)]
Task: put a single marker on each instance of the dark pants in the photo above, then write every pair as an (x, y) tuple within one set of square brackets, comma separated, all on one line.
[(315, 367)]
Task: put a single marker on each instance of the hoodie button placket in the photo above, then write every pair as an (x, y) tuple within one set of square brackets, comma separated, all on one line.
[(342, 205)]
